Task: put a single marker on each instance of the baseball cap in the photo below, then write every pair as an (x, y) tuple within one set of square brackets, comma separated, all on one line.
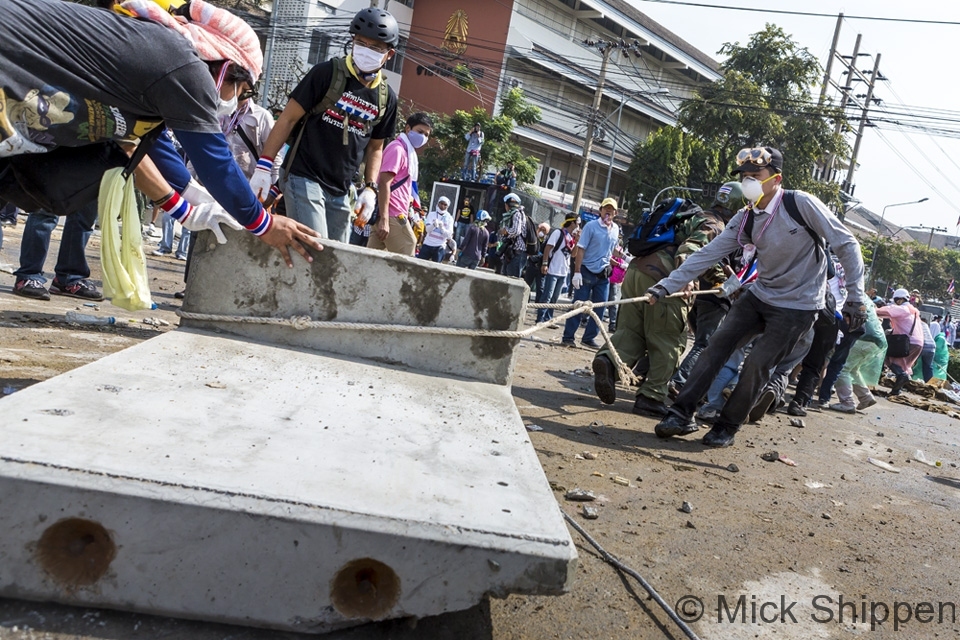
[(608, 201), (756, 158)]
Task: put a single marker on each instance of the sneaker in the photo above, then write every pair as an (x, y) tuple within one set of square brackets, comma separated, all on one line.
[(795, 409), (644, 406), (843, 408), (763, 404), (708, 414), (869, 401), (78, 289), (593, 344), (719, 436), (158, 252), (675, 424), (179, 295), (604, 380), (181, 257), (568, 343), (31, 288), (8, 222), (153, 232)]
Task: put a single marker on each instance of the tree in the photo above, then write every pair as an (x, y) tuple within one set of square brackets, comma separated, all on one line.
[(765, 97), (891, 263), (444, 155)]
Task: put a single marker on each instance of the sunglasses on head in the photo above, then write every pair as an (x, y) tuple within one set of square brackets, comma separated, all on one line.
[(757, 155)]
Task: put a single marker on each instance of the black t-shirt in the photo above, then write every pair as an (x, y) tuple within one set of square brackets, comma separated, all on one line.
[(466, 214), (71, 75), (322, 156)]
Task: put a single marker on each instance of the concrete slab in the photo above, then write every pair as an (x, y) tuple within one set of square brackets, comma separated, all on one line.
[(207, 476), (345, 283)]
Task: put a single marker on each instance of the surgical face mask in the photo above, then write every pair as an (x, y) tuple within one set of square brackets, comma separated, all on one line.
[(227, 107), (366, 59), (416, 138), (541, 234), (752, 188)]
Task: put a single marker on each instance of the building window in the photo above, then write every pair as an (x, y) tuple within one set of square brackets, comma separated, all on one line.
[(395, 63), (319, 47), (408, 3)]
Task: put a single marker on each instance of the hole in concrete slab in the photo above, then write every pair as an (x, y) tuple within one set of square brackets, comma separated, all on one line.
[(365, 588), (76, 552)]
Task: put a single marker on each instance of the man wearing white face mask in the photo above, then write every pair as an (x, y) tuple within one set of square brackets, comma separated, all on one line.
[(397, 187), (338, 116), (785, 230)]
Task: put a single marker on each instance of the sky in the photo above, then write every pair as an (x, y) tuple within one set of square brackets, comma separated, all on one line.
[(896, 165)]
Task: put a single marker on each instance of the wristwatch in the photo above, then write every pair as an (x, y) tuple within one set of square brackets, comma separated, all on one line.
[(372, 185)]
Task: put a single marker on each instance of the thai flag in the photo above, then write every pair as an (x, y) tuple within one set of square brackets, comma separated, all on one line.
[(950, 286), (748, 273)]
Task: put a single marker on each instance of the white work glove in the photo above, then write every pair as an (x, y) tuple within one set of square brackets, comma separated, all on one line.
[(577, 281), (209, 215), (196, 194), (730, 286), (262, 178), (366, 201)]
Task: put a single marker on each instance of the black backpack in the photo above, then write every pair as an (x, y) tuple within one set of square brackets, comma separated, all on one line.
[(657, 228), (530, 236), (790, 204)]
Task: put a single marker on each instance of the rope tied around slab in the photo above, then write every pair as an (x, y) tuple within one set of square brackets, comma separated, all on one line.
[(578, 307)]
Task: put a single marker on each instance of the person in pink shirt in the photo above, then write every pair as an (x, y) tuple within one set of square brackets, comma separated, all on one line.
[(905, 320), (397, 188)]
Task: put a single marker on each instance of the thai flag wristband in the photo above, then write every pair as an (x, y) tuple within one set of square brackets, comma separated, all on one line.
[(265, 163), (177, 207), (275, 191), (262, 224)]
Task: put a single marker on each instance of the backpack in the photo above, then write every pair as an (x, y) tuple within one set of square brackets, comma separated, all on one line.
[(657, 228), (338, 85), (790, 204), (530, 236)]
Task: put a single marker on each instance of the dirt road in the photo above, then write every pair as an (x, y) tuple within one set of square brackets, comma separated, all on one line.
[(833, 526)]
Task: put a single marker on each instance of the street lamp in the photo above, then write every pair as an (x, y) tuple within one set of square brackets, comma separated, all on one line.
[(662, 91), (876, 247)]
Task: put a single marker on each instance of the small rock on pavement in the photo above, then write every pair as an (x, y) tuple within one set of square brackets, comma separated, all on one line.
[(534, 427), (797, 422), (826, 516), (770, 456), (590, 513), (858, 442), (690, 525), (686, 507), (879, 434), (556, 486), (732, 468), (580, 495), (588, 455)]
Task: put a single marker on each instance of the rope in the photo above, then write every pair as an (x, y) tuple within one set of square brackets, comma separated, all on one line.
[(579, 307), (630, 572)]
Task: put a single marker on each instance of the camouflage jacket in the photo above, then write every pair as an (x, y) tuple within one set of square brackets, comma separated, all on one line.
[(691, 234)]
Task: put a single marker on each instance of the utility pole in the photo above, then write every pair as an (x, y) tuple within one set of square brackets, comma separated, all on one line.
[(588, 143), (851, 65), (863, 120), (606, 48), (833, 52), (271, 52)]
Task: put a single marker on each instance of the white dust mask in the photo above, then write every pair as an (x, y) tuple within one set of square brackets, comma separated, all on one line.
[(366, 59)]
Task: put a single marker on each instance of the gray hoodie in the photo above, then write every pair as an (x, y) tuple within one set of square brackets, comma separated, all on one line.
[(789, 274)]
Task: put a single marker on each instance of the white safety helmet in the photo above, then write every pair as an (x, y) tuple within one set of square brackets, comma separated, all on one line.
[(511, 197), (901, 293)]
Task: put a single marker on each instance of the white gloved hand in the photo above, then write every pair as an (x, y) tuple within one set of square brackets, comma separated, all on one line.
[(209, 215), (730, 286), (196, 194), (262, 178), (366, 201), (577, 281)]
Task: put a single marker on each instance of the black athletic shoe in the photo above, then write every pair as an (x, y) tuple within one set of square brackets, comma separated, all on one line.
[(77, 289), (31, 288), (676, 425), (719, 436), (644, 406), (795, 409), (763, 405), (604, 379)]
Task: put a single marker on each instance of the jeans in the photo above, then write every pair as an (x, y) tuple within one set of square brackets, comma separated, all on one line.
[(549, 293), (467, 263), (460, 231), (71, 260), (515, 265), (166, 243), (708, 318), (728, 375), (470, 166), (825, 329), (433, 254), (595, 289), (926, 363), (309, 203), (779, 331), (612, 296), (837, 360)]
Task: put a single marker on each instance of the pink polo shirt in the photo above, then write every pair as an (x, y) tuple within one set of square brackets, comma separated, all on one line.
[(395, 161)]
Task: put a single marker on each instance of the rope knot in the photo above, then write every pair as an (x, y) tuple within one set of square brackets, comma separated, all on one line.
[(300, 322), (583, 304)]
